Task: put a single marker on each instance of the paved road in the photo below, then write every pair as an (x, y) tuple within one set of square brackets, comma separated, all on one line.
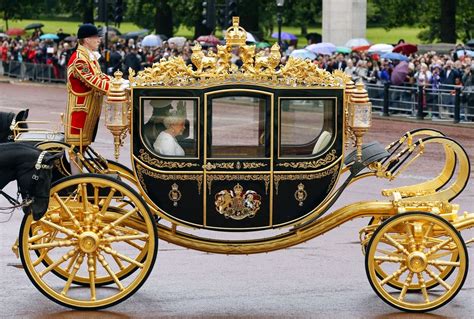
[(323, 278)]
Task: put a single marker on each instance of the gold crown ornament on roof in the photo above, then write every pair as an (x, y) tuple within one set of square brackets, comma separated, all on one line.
[(235, 35), (211, 68)]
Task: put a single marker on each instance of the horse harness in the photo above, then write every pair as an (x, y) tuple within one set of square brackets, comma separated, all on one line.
[(35, 178)]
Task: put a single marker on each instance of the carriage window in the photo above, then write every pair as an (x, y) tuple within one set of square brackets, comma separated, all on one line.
[(238, 127), (306, 126), (169, 127)]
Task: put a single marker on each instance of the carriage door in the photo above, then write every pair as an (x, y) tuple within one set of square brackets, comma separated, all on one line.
[(238, 159)]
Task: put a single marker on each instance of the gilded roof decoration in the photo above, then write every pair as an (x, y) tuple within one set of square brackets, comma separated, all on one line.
[(212, 68)]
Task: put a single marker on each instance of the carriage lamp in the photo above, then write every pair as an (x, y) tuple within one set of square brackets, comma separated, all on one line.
[(116, 112), (360, 115), (349, 88)]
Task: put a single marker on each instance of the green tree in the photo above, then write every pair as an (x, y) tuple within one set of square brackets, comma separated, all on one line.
[(444, 20), (11, 10)]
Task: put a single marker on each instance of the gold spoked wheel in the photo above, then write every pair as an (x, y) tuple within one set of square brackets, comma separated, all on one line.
[(445, 271), (97, 230), (416, 249)]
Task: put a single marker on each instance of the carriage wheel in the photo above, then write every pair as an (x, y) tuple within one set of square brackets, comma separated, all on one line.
[(445, 271), (416, 249), (97, 230)]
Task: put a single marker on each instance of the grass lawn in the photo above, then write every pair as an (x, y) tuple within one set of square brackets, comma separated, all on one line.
[(375, 35)]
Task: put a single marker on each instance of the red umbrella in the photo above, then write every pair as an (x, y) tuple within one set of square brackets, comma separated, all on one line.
[(15, 31), (209, 39), (361, 48), (405, 48)]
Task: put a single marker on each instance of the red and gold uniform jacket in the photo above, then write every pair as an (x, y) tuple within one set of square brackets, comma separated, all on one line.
[(86, 85)]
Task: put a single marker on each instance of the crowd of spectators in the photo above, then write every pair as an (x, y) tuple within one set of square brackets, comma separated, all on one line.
[(430, 69)]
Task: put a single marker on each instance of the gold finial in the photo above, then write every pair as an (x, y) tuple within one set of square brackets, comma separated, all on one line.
[(359, 94), (116, 93), (235, 35)]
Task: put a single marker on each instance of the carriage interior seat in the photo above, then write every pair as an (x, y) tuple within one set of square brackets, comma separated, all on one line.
[(323, 140)]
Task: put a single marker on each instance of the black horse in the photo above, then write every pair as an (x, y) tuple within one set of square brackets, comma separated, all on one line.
[(7, 120), (31, 168)]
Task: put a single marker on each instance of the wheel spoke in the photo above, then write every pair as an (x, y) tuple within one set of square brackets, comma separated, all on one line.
[(439, 246), (91, 269), (411, 238), (68, 212), (116, 222), (396, 274), (77, 265), (406, 284), (58, 262), (105, 264), (440, 255), (60, 228), (389, 259), (444, 263), (37, 237), (438, 279), (106, 204), (53, 244), (422, 283), (113, 252), (85, 200), (396, 244)]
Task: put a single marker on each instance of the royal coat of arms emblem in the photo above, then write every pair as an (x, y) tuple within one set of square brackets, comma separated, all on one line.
[(236, 204)]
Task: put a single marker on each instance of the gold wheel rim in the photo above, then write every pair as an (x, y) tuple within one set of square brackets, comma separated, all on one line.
[(414, 259), (91, 246)]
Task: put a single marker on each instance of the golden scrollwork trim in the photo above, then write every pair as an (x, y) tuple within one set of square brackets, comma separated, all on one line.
[(226, 177), (329, 158), (145, 157), (252, 165), (168, 177), (302, 177)]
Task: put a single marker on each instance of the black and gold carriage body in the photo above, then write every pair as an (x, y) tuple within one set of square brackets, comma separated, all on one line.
[(225, 182)]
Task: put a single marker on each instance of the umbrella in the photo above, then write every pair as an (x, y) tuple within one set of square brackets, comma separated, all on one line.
[(461, 53), (303, 54), (399, 73), (405, 48), (15, 31), (357, 42), (179, 41), (262, 45), (151, 40), (70, 38), (209, 39), (395, 56), (284, 36), (381, 48), (344, 50), (470, 43), (4, 35), (361, 48), (324, 48), (36, 25), (109, 29), (250, 38), (49, 36), (135, 34)]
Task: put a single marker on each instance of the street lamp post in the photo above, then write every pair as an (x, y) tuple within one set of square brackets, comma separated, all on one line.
[(279, 4)]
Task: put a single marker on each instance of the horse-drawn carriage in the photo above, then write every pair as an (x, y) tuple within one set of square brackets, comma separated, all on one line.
[(261, 149)]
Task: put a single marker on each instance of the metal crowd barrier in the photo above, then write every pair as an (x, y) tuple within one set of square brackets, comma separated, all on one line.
[(33, 72), (448, 102)]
